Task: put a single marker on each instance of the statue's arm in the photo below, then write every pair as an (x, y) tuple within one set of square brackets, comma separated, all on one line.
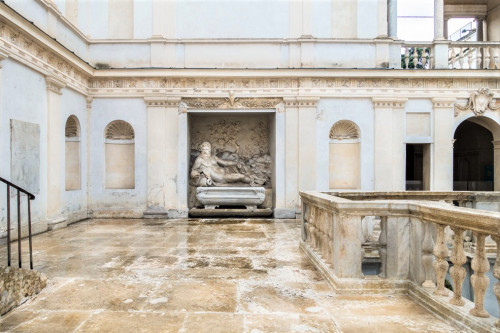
[(224, 162), (195, 171)]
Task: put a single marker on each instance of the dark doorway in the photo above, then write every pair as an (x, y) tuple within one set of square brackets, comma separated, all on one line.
[(417, 167), (473, 168)]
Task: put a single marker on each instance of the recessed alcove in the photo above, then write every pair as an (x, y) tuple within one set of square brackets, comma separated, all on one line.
[(246, 137)]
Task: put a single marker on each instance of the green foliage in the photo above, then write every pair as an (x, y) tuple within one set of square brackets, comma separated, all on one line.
[(420, 51)]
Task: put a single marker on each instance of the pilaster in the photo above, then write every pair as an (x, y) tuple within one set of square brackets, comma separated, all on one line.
[(307, 142), (292, 154), (442, 148), (55, 156), (389, 144), (496, 163)]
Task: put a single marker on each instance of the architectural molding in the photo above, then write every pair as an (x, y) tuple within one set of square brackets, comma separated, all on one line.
[(389, 103), (54, 84), (443, 103), (344, 130), (226, 103), (310, 102), (479, 102), (89, 102)]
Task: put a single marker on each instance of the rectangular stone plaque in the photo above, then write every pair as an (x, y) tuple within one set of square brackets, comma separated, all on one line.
[(25, 155)]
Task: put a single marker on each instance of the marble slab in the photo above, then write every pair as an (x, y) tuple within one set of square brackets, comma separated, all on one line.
[(213, 197)]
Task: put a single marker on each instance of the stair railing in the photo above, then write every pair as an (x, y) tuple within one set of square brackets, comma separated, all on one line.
[(30, 197)]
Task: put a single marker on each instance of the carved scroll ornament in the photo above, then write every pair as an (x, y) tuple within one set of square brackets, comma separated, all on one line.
[(479, 102)]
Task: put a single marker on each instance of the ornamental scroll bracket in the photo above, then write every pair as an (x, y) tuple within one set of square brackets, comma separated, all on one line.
[(479, 102)]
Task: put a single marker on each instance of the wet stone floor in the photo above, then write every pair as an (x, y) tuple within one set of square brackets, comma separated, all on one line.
[(195, 276)]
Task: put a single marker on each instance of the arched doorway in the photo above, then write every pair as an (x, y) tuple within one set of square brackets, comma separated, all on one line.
[(473, 157)]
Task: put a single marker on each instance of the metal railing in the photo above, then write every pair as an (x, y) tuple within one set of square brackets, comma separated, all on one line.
[(29, 197)]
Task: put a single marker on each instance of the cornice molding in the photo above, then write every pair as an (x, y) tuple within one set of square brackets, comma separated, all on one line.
[(226, 103), (162, 101)]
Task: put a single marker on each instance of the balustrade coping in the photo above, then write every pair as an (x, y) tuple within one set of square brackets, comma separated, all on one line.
[(480, 221)]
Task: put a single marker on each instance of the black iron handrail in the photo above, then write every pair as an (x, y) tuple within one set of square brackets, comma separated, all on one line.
[(30, 197)]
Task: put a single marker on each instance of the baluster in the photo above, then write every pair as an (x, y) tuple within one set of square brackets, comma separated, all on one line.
[(478, 58), (440, 265), (495, 59), (424, 57), (457, 272), (382, 250), (453, 58), (427, 246), (461, 58), (470, 57), (407, 57), (486, 63), (496, 274), (415, 57), (479, 281)]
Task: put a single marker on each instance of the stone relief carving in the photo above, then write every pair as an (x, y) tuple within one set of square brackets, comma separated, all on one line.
[(344, 130), (232, 103), (479, 102), (13, 36), (212, 170), (119, 130)]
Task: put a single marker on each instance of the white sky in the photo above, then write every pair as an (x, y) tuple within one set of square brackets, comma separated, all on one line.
[(421, 29)]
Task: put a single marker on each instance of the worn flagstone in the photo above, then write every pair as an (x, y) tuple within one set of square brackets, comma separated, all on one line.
[(196, 276)]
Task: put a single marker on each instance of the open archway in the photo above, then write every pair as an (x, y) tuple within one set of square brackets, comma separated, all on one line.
[(474, 155)]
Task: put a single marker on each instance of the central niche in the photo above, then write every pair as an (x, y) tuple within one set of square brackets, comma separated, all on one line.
[(241, 138)]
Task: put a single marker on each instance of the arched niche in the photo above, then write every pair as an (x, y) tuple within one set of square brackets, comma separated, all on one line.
[(72, 154), (120, 155), (345, 156)]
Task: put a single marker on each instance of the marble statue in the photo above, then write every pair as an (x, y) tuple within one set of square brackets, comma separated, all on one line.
[(212, 170)]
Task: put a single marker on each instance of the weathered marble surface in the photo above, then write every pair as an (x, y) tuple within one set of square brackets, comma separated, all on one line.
[(212, 197), (17, 285), (209, 275)]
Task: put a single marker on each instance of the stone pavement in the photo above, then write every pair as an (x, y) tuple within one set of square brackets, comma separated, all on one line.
[(195, 276)]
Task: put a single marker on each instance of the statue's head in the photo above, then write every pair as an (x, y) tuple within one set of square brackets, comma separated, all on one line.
[(206, 148)]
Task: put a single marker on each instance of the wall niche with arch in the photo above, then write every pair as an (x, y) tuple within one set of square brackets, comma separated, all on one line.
[(72, 154), (119, 155), (345, 156)]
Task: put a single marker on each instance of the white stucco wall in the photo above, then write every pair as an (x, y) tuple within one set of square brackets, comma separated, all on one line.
[(103, 112), (75, 201), (24, 98), (232, 19), (32, 10), (143, 18), (121, 55), (358, 111)]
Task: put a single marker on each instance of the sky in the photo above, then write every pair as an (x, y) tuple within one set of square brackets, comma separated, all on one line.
[(421, 29)]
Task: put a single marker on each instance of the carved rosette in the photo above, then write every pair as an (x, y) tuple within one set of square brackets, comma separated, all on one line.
[(479, 102)]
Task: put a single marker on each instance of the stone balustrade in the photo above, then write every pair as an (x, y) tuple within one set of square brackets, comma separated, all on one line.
[(474, 55), (412, 246), (461, 55)]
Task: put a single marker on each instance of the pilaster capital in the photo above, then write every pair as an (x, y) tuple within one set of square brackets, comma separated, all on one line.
[(162, 101), (89, 102), (3, 55), (389, 103), (54, 84), (290, 102), (307, 102), (443, 103)]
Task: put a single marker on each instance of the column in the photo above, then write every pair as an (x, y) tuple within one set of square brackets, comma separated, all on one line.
[(480, 29), (279, 174), (183, 155), (89, 154), (496, 165), (438, 19), (439, 52), (442, 148), (445, 27), (55, 156), (393, 18), (389, 144), (291, 155), (307, 143)]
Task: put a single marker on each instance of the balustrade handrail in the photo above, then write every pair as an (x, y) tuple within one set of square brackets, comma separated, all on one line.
[(459, 196), (473, 43), (30, 197), (480, 221)]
